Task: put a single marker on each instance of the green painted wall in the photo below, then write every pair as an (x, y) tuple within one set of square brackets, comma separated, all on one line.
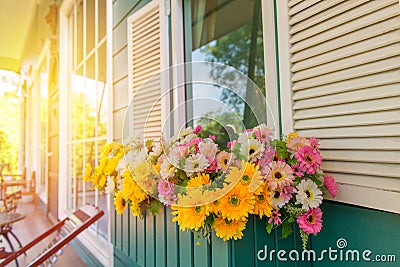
[(157, 242)]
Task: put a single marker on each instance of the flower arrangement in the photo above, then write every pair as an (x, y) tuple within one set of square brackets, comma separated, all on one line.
[(209, 187)]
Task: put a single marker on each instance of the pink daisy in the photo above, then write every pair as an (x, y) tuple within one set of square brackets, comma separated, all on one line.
[(197, 129), (280, 196), (330, 185), (311, 221), (296, 170), (295, 143), (309, 159), (275, 217), (314, 142), (263, 135), (279, 174)]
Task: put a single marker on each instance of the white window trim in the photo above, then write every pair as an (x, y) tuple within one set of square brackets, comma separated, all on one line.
[(353, 194), (270, 65), (100, 248), (44, 55), (178, 58)]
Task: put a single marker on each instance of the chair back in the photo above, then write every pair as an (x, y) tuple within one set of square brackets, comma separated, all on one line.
[(11, 201)]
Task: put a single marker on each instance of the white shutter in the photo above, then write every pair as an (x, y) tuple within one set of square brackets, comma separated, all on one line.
[(345, 75), (147, 56)]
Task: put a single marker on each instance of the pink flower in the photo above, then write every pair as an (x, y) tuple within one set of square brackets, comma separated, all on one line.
[(166, 192), (309, 159), (229, 144), (165, 187), (275, 217), (197, 129), (266, 158), (330, 185), (212, 137), (311, 221), (296, 170), (314, 142), (295, 143), (263, 135), (279, 174)]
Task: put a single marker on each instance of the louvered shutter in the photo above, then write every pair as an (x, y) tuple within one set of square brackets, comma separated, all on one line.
[(345, 65), (147, 54)]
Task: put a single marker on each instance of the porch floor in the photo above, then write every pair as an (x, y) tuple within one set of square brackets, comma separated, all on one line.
[(33, 225)]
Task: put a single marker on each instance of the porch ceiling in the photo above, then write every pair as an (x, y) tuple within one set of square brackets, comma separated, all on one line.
[(15, 18)]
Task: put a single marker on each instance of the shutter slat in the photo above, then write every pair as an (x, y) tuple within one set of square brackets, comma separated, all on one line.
[(376, 169), (361, 156), (346, 74), (385, 183), (302, 6), (372, 144), (371, 81), (374, 118), (348, 51), (346, 22), (369, 107), (317, 18), (312, 11), (389, 130), (378, 92), (348, 39), (349, 62)]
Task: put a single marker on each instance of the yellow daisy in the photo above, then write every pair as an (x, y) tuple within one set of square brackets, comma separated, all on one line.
[(200, 180), (190, 211), (237, 203), (228, 229), (263, 205), (130, 189), (119, 202), (248, 176), (88, 173)]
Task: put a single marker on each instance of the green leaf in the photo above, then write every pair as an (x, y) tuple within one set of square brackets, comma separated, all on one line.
[(286, 229), (269, 227), (154, 207)]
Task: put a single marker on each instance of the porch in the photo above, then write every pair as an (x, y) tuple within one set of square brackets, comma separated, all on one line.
[(34, 224)]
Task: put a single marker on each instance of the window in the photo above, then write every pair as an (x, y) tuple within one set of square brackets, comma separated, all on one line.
[(87, 103), (228, 32)]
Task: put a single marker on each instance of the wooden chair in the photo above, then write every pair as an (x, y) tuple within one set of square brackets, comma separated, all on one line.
[(27, 187), (10, 204), (65, 230)]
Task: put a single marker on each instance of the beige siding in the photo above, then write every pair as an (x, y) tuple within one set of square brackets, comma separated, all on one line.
[(345, 64)]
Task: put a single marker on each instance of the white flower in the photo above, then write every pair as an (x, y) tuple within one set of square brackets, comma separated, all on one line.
[(208, 149), (121, 167), (189, 138), (278, 199), (195, 163), (156, 150), (185, 132), (245, 137), (308, 194), (167, 169), (138, 157), (110, 186), (252, 149)]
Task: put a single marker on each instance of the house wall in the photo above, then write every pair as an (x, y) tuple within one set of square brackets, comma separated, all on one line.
[(156, 241)]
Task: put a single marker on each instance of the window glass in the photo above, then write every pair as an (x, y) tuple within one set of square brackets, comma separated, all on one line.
[(87, 105), (227, 32)]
